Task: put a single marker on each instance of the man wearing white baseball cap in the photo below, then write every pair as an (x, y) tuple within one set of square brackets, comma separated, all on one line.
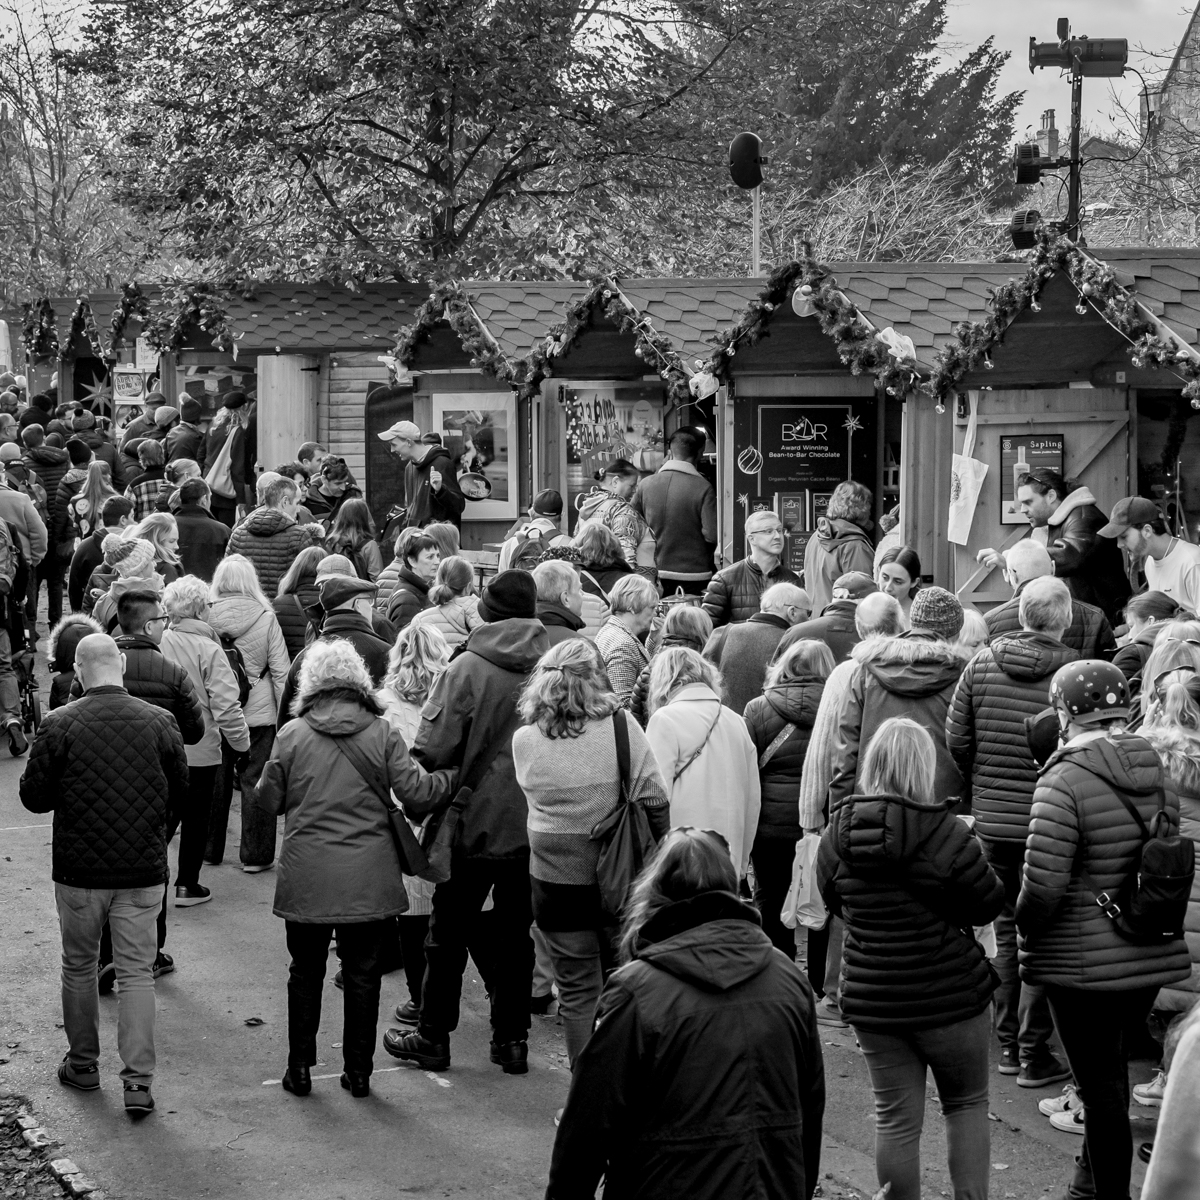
[(431, 491)]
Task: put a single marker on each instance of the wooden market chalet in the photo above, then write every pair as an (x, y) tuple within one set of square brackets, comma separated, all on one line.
[(1084, 359)]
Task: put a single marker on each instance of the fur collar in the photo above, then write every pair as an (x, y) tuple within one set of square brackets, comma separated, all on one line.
[(879, 650)]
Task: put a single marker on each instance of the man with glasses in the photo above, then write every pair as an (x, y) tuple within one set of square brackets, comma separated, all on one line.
[(149, 676), (742, 652), (734, 593), (1172, 566)]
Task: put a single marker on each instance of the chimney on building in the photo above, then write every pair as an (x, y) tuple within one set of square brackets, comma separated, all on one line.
[(1047, 137)]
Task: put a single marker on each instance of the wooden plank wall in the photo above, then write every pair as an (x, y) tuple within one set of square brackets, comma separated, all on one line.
[(344, 377)]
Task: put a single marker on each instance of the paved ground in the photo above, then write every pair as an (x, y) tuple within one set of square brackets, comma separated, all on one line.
[(224, 1127)]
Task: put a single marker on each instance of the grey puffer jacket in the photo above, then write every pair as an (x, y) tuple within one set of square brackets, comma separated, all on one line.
[(1078, 823), (338, 863), (256, 633), (985, 729)]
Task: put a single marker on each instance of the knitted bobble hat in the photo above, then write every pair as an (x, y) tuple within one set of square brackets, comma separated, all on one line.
[(131, 558), (937, 610)]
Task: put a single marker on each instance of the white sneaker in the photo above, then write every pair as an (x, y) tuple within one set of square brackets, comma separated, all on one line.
[(1151, 1094), (1070, 1121), (1068, 1102)]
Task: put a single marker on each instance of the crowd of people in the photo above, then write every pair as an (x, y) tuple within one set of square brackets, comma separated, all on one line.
[(847, 802)]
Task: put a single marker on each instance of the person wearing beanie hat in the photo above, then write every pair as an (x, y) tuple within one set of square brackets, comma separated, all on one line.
[(50, 463), (530, 537), (186, 438), (346, 602), (913, 675), (85, 428), (431, 491), (468, 722), (10, 452), (165, 416), (129, 565), (37, 412)]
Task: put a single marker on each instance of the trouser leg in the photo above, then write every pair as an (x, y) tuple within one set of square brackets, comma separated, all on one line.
[(132, 916), (413, 931), (360, 946), (309, 947), (194, 823), (218, 821), (81, 914), (579, 973), (258, 826), (818, 951), (773, 877), (10, 695), (898, 1080), (543, 964), (514, 950)]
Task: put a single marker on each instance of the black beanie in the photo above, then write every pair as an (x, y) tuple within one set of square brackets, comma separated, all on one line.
[(80, 452), (509, 594)]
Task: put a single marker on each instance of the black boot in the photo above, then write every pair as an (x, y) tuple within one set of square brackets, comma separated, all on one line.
[(356, 1083), (297, 1080)]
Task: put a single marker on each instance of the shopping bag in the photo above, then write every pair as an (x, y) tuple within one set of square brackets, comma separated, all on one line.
[(803, 905), (967, 475)]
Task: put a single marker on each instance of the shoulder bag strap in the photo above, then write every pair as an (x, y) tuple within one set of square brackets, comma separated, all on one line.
[(781, 737), (695, 754), (589, 575), (621, 736), (368, 770)]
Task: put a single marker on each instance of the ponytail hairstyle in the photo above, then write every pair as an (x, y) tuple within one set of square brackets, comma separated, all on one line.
[(1171, 685), (455, 578)]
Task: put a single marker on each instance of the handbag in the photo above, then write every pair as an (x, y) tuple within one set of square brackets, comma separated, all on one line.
[(626, 842), (408, 849), (441, 828), (804, 906), (220, 474)]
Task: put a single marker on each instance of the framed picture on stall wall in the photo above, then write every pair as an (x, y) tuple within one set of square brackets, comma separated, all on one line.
[(480, 431)]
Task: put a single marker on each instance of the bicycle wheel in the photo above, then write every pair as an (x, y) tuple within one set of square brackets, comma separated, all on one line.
[(35, 710)]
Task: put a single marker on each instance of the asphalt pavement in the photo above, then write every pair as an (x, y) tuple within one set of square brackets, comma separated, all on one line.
[(223, 1127)]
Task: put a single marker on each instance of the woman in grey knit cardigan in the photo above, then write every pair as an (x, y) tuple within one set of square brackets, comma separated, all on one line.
[(566, 763)]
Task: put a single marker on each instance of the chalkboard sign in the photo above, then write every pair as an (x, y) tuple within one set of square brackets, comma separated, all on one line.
[(1021, 452)]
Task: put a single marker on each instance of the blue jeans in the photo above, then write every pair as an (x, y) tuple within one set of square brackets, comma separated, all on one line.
[(958, 1056), (132, 914)]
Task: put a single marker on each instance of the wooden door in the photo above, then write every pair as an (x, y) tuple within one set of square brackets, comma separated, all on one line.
[(287, 406), (1096, 424)]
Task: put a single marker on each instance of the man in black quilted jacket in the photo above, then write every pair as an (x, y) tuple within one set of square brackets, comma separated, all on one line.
[(110, 767), (985, 733)]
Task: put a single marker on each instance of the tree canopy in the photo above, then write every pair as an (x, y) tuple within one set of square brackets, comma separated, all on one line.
[(373, 138)]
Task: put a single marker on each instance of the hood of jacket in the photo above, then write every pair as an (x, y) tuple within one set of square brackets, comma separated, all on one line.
[(338, 712), (264, 522), (120, 586), (882, 830), (196, 628), (50, 456), (598, 500), (74, 475), (712, 941), (1126, 762), (1081, 497), (233, 615), (1031, 656), (512, 645), (913, 664), (835, 533), (430, 459), (342, 621), (680, 639), (1179, 753), (797, 700), (66, 635), (92, 438)]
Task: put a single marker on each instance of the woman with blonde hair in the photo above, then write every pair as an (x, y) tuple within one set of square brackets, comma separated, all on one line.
[(685, 625), (162, 532), (622, 638), (244, 619), (190, 642), (415, 662), (707, 759), (84, 507), (704, 1017), (780, 723), (339, 872), (910, 881), (455, 611), (974, 633), (567, 762)]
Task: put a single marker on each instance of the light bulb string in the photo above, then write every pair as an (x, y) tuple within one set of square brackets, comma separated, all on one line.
[(1087, 300)]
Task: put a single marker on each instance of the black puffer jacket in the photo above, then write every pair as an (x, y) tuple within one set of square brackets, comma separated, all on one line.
[(110, 767), (50, 464), (910, 881), (151, 676), (409, 597), (1079, 824), (270, 539), (291, 611), (793, 703), (472, 703), (64, 638), (734, 592), (985, 728), (704, 1077), (1132, 657), (342, 623), (1089, 634)]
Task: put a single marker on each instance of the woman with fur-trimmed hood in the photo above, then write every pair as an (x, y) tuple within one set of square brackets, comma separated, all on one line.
[(64, 637), (338, 868), (913, 675)]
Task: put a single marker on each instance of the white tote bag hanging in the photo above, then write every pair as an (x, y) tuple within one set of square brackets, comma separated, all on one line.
[(966, 482)]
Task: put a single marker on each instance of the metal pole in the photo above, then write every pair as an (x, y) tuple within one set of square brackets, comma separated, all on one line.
[(755, 259), (1073, 183)]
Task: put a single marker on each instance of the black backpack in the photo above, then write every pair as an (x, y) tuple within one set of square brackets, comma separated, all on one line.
[(238, 664), (1150, 906)]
